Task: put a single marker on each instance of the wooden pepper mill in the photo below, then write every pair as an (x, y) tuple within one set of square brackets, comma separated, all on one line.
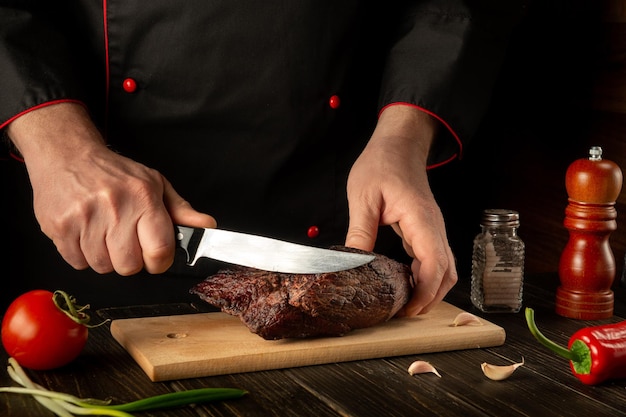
[(587, 264)]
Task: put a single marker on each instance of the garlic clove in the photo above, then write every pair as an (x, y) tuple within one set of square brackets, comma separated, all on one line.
[(499, 373), (421, 367), (466, 319)]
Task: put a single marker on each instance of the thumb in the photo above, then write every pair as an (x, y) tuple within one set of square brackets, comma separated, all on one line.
[(362, 229), (181, 211)]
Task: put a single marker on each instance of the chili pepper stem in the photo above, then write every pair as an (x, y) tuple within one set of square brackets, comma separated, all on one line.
[(558, 349)]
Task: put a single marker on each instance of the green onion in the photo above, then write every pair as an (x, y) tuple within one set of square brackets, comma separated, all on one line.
[(66, 405), (175, 399)]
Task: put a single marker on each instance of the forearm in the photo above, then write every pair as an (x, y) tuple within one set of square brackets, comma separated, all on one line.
[(407, 129), (57, 132)]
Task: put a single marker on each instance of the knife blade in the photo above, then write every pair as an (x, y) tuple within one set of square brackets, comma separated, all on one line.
[(263, 252)]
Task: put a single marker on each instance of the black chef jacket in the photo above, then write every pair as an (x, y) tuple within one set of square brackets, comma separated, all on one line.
[(255, 110)]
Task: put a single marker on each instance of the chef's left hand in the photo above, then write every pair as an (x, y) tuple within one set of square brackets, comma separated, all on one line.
[(388, 185)]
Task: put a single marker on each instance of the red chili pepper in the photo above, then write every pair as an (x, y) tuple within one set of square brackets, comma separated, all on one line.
[(596, 354)]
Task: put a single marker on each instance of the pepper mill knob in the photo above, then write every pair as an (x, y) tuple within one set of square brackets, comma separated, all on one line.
[(587, 264)]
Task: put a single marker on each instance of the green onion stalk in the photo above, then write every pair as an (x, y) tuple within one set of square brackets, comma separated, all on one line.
[(67, 405)]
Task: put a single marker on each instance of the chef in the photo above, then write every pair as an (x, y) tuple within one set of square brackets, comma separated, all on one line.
[(309, 121)]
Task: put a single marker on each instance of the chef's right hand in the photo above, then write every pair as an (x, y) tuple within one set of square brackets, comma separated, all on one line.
[(101, 210)]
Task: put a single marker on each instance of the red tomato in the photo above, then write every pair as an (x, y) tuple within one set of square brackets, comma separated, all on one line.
[(38, 334)]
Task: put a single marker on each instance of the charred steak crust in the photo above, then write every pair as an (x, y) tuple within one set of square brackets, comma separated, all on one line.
[(276, 305)]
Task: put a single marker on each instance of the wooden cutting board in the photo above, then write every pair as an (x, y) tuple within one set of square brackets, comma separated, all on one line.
[(205, 344)]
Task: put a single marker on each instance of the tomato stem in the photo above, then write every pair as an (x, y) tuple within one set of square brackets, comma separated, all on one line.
[(67, 304)]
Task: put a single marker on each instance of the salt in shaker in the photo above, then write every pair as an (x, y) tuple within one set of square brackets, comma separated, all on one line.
[(498, 263)]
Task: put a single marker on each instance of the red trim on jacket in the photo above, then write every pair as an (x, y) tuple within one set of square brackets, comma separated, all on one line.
[(16, 156), (443, 122), (106, 66)]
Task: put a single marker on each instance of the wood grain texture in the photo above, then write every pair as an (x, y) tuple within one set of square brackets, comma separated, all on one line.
[(197, 345), (544, 386)]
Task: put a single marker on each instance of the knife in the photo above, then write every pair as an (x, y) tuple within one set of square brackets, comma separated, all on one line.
[(263, 252)]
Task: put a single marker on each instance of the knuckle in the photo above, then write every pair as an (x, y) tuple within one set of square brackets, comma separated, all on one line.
[(128, 269), (359, 233), (158, 260)]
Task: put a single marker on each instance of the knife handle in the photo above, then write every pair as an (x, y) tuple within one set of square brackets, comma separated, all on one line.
[(188, 238)]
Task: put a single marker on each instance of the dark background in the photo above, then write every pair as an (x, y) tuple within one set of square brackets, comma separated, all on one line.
[(562, 90)]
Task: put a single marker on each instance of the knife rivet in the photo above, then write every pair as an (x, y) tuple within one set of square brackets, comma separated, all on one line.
[(313, 232)]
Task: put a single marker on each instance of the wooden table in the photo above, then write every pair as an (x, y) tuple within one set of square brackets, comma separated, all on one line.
[(544, 386)]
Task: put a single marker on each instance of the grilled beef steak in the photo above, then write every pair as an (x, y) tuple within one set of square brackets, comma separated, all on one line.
[(276, 305)]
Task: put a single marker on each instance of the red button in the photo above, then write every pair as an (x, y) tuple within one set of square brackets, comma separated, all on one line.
[(334, 102), (313, 232), (129, 85)]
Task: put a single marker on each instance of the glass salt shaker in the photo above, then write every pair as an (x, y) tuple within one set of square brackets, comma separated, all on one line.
[(498, 263)]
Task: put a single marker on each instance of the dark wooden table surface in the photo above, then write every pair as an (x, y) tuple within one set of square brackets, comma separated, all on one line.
[(544, 386)]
